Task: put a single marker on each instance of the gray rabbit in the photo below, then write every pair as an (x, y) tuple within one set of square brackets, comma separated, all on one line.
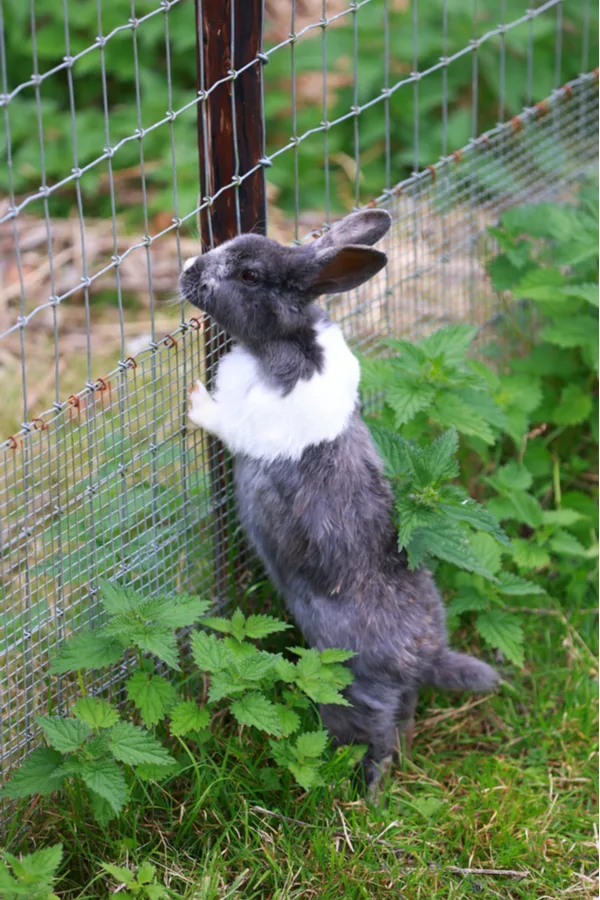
[(310, 489)]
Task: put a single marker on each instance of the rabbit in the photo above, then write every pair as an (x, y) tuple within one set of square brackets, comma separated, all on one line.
[(311, 493)]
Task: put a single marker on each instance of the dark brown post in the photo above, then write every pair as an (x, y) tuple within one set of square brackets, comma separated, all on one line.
[(230, 128)]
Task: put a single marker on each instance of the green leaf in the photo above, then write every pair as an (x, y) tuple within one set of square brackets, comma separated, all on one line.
[(38, 774), (40, 866), (502, 630), (132, 745), (289, 720), (145, 873), (238, 625), (152, 695), (285, 669), (182, 610), (427, 806), (255, 667), (504, 273), (449, 410), (96, 712), (587, 292), (210, 654), (222, 685), (471, 513), (119, 873), (511, 584), (566, 544), (526, 509), (407, 398), (254, 709), (117, 599), (393, 450), (187, 716), (469, 600), (572, 331), (102, 810), (411, 516), (528, 555), (333, 655), (65, 735), (310, 744), (540, 284), (259, 626), (514, 476), (487, 551), (439, 457), (447, 543), (563, 517), (105, 778), (91, 649), (158, 640), (451, 342), (574, 407), (217, 623), (306, 776)]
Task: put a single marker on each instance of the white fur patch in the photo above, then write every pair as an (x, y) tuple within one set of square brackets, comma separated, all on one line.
[(189, 262), (253, 418)]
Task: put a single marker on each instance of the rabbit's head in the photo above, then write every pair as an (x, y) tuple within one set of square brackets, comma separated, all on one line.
[(259, 291)]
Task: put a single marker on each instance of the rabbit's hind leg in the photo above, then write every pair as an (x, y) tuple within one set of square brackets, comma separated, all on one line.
[(370, 720), (405, 720)]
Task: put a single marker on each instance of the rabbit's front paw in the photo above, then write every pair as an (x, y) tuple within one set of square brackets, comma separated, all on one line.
[(201, 404)]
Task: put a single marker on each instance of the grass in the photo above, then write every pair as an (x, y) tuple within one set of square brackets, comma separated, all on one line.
[(493, 783)]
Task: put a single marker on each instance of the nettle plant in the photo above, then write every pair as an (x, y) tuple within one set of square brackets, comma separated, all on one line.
[(104, 751), (528, 429)]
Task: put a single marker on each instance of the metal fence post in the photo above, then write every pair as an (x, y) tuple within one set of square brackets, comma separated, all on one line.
[(230, 143)]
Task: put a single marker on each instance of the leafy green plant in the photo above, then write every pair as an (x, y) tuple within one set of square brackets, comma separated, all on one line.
[(102, 752), (141, 883), (30, 877), (528, 428)]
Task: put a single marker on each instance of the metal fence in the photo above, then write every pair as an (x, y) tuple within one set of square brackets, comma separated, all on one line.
[(121, 150)]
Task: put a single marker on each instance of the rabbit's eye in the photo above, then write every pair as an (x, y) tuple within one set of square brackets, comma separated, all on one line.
[(250, 276)]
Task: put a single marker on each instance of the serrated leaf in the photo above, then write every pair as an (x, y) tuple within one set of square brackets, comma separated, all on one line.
[(310, 744), (514, 476), (145, 873), (187, 716), (254, 709), (393, 450), (255, 667), (572, 331), (540, 284), (449, 410), (566, 544), (467, 601), (333, 655), (102, 811), (259, 626), (411, 516), (407, 398), (587, 292), (182, 610), (149, 772), (502, 631), (105, 778), (511, 584), (117, 599), (309, 663), (522, 391), (306, 776), (528, 555), (488, 552), (238, 625), (91, 649), (285, 669), (471, 513), (504, 273), (289, 720), (574, 407), (440, 457), (40, 866), (527, 509), (96, 712), (217, 623), (447, 543), (152, 695), (210, 654), (65, 735), (451, 342), (158, 640), (133, 745), (564, 517), (119, 873), (222, 685)]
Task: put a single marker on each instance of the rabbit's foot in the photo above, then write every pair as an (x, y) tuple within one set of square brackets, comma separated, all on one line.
[(200, 411)]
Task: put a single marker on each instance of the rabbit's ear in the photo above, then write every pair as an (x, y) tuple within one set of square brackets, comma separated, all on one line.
[(365, 227), (346, 268)]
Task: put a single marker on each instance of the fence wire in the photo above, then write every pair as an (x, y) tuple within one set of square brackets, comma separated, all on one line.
[(99, 474)]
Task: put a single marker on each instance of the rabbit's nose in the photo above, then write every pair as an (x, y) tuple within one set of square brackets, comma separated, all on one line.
[(189, 262)]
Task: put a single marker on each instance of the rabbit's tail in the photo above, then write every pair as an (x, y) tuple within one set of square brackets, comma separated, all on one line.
[(459, 672)]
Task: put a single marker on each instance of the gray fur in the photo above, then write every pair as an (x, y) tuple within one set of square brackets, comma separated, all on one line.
[(323, 525)]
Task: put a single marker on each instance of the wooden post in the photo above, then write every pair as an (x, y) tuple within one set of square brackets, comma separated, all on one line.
[(229, 35)]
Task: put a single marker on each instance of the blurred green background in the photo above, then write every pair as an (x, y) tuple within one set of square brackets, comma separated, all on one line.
[(86, 129)]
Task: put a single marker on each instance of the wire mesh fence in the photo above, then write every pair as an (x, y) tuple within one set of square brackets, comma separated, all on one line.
[(115, 165)]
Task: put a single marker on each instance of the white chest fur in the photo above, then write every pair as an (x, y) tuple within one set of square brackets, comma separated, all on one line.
[(253, 418)]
